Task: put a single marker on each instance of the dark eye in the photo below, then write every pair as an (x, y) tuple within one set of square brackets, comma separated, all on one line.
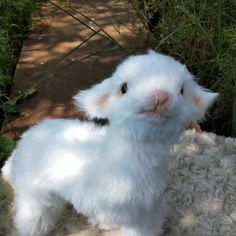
[(182, 90), (124, 88)]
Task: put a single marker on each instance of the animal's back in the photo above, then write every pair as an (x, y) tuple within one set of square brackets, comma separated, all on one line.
[(51, 151)]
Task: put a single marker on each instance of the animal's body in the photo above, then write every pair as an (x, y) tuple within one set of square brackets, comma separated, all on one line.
[(116, 174)]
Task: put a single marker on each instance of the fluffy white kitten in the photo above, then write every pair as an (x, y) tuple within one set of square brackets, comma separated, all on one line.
[(114, 175)]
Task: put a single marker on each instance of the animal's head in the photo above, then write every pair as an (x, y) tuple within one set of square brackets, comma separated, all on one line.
[(150, 90)]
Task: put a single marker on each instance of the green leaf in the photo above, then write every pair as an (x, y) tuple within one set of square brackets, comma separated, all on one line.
[(12, 109), (22, 96), (6, 147), (30, 91)]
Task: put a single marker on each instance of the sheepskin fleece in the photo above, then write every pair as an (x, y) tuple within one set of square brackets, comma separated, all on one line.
[(202, 186), (201, 192)]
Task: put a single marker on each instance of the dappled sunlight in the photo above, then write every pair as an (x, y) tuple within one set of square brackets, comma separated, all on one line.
[(211, 206), (202, 170), (50, 61), (188, 221), (66, 169), (32, 115), (202, 183)]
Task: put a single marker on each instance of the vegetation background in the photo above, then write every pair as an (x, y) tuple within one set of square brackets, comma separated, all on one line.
[(14, 21), (200, 33)]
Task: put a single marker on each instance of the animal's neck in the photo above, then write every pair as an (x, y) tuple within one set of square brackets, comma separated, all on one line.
[(162, 135), (122, 142)]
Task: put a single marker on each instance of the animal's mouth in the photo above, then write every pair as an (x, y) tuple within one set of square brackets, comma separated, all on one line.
[(157, 111), (160, 101)]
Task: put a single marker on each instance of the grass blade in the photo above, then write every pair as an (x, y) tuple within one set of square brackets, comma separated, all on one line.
[(54, 68), (107, 36)]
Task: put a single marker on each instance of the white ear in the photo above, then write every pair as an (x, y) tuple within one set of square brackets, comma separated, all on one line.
[(93, 101), (203, 99), (151, 52)]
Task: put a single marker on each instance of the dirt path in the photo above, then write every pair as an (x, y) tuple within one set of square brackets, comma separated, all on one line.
[(54, 35)]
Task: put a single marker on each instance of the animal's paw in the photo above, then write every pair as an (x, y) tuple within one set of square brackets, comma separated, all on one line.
[(102, 226), (105, 227)]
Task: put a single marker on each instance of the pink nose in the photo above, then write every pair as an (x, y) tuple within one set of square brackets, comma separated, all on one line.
[(160, 98)]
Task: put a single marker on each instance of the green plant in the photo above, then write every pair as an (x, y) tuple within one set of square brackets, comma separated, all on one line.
[(6, 147), (14, 18), (203, 35)]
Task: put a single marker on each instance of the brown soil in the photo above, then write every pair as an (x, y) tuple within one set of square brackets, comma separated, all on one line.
[(56, 33)]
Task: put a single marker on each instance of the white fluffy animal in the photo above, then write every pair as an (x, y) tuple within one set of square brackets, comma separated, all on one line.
[(114, 175)]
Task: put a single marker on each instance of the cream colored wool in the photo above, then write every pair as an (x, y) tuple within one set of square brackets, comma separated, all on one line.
[(202, 186), (201, 192)]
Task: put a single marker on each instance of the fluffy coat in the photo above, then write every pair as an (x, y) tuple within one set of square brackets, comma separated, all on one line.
[(116, 174)]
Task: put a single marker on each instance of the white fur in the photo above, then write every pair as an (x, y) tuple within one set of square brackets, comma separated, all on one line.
[(115, 174)]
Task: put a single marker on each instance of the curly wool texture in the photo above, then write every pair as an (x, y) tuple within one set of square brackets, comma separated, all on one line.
[(201, 191), (202, 186)]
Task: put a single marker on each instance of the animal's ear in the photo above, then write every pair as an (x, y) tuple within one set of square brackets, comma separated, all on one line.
[(151, 52), (203, 99), (93, 101)]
